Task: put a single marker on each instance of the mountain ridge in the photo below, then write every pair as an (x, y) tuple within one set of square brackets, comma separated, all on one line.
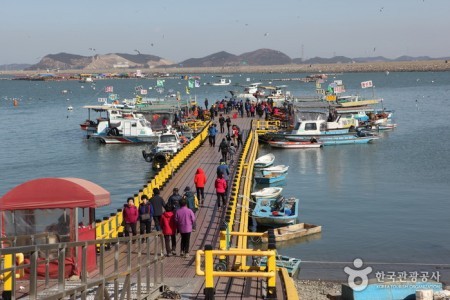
[(260, 57)]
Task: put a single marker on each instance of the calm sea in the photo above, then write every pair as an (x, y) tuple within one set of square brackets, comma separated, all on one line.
[(386, 203)]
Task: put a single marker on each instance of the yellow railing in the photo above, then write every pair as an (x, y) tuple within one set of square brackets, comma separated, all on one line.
[(269, 271), (110, 227)]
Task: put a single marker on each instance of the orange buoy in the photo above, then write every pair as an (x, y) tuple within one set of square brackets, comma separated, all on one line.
[(15, 102)]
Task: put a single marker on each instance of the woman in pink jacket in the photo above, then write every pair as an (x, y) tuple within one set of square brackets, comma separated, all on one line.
[(221, 187)]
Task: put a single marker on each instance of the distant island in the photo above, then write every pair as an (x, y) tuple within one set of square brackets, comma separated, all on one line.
[(262, 60)]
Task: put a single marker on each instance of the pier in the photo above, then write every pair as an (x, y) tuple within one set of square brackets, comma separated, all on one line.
[(219, 266)]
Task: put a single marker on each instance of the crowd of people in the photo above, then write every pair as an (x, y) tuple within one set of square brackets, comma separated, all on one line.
[(177, 215)]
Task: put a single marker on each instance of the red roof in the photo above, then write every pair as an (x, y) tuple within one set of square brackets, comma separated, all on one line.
[(44, 193)]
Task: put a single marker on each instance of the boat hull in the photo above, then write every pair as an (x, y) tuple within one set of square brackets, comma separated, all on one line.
[(125, 139), (270, 178), (293, 231), (294, 144), (291, 264)]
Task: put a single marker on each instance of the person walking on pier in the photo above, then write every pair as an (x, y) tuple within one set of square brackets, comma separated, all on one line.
[(200, 181), (169, 229), (174, 199), (158, 204), (221, 187), (228, 121), (223, 148), (185, 218), (145, 216), (206, 103), (130, 217), (190, 202), (222, 123), (212, 132)]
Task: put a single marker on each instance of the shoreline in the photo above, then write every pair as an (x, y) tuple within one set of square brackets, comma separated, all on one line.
[(407, 66)]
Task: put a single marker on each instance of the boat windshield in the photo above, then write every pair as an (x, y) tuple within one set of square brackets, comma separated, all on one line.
[(168, 139)]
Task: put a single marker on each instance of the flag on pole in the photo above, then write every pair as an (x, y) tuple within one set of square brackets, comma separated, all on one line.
[(191, 83), (138, 88), (143, 92), (188, 90), (109, 89), (160, 82), (366, 84), (197, 83)]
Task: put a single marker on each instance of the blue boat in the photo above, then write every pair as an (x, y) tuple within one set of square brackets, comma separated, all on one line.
[(291, 264), (362, 137), (269, 178), (276, 212)]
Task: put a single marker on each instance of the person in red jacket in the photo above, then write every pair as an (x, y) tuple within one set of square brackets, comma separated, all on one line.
[(169, 229), (221, 186), (200, 180), (130, 217)]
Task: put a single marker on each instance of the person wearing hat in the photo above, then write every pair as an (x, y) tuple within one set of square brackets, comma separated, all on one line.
[(158, 204), (189, 197), (174, 199)]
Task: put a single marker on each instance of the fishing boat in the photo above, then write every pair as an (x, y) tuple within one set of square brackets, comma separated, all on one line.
[(264, 161), (268, 192), (316, 124), (125, 131), (294, 231), (275, 212), (291, 264), (251, 92), (275, 169), (296, 145), (269, 178), (222, 82)]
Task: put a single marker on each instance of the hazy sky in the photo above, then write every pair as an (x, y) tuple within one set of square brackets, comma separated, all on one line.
[(178, 30)]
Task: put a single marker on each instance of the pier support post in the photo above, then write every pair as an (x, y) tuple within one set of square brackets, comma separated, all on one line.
[(271, 266), (209, 277)]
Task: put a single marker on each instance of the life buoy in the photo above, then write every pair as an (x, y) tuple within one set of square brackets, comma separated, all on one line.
[(183, 140)]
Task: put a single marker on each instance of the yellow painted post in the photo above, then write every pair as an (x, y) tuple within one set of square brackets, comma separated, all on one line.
[(271, 266), (7, 277), (209, 277), (113, 225)]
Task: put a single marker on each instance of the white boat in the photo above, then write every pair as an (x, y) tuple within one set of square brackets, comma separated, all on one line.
[(264, 161), (222, 82), (268, 192), (168, 144), (69, 107), (275, 169), (251, 92), (125, 131)]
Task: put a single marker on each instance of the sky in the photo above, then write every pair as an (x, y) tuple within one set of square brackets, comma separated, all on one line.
[(178, 30)]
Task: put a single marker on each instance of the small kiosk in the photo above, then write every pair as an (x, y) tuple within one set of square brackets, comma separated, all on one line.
[(53, 210)]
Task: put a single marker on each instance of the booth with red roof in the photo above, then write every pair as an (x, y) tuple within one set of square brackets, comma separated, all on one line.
[(61, 209)]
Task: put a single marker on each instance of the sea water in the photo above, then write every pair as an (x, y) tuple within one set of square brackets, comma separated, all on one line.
[(386, 202)]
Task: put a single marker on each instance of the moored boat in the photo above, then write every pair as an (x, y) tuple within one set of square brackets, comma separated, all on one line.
[(264, 161), (275, 169), (275, 212), (269, 178), (291, 264), (125, 131), (295, 145), (293, 231), (268, 192), (222, 82)]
